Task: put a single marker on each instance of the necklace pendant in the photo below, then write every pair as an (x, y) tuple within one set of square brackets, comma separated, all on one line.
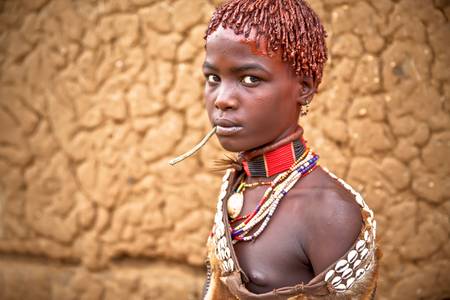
[(235, 204)]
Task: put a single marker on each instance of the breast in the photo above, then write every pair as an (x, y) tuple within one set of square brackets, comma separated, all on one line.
[(274, 259), (258, 278)]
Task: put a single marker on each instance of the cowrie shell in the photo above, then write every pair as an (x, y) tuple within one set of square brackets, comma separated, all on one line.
[(329, 275), (366, 235), (360, 245), (223, 255), (235, 204), (341, 266), (220, 229), (222, 195), (227, 253), (360, 273), (218, 217), (222, 243), (357, 263), (224, 186), (359, 200), (219, 253), (364, 253), (336, 281), (231, 264), (347, 273), (350, 282), (369, 265), (340, 288), (352, 256), (225, 267)]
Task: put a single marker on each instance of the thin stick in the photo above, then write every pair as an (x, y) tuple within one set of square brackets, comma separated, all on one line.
[(195, 149)]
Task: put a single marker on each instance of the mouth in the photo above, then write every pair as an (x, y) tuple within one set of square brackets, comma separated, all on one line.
[(226, 127)]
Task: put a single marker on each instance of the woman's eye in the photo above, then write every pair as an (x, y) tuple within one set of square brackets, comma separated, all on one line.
[(212, 78), (250, 80)]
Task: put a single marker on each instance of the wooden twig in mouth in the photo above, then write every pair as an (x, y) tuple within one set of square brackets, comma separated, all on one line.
[(195, 149)]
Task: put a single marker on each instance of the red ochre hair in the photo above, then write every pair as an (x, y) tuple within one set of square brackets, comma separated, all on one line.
[(288, 25)]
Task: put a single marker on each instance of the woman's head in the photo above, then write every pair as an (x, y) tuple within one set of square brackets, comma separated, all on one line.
[(264, 60), (289, 26)]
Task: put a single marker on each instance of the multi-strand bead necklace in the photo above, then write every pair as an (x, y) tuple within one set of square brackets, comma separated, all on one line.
[(258, 219)]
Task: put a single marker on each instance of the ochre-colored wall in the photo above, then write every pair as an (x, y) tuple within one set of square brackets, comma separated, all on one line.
[(96, 96)]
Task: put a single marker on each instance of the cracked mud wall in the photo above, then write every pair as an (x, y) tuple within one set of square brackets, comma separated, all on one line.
[(97, 96)]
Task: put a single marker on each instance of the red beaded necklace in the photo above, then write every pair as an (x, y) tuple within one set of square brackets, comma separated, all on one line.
[(275, 161)]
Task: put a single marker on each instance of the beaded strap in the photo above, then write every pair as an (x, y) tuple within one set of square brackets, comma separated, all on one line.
[(361, 258)]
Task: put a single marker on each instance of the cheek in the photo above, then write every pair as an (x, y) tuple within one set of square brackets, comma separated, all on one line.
[(264, 111), (208, 101), (275, 106), (273, 100), (287, 96), (288, 88), (207, 98)]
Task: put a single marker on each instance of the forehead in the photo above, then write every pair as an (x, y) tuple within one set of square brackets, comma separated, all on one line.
[(224, 42)]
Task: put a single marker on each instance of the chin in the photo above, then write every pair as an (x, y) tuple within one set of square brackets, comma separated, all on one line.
[(234, 144), (231, 145)]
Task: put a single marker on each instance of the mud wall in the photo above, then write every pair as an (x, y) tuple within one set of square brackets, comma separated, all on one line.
[(96, 96)]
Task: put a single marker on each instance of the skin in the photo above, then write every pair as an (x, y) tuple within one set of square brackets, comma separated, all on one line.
[(247, 88), (318, 220)]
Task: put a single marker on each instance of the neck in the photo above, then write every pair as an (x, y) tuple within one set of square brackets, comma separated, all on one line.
[(274, 158), (248, 155)]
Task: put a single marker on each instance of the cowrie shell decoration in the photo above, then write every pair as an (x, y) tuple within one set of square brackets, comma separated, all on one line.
[(235, 204)]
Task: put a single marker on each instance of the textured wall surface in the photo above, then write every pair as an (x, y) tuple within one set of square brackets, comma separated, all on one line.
[(96, 96)]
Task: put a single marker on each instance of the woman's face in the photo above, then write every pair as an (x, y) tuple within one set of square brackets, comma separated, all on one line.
[(251, 97)]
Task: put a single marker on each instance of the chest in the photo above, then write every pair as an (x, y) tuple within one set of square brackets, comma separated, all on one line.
[(275, 258)]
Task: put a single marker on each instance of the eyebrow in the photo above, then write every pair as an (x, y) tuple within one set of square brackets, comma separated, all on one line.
[(245, 67), (209, 66)]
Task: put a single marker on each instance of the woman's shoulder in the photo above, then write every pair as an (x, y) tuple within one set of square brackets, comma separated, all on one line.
[(330, 216), (324, 198), (359, 264)]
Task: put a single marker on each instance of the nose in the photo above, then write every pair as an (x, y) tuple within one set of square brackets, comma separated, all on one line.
[(226, 99)]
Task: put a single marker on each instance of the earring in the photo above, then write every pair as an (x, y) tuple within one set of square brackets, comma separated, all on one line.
[(304, 109)]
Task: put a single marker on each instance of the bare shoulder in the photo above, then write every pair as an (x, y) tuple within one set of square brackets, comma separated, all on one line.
[(332, 201), (332, 219)]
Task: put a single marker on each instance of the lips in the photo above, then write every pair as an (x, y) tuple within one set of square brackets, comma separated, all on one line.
[(227, 127)]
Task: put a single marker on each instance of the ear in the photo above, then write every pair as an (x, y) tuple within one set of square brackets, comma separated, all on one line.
[(308, 87)]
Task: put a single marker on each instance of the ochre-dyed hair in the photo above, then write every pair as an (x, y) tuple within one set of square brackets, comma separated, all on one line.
[(288, 25)]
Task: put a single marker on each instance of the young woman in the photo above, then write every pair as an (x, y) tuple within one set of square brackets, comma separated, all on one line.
[(285, 228)]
